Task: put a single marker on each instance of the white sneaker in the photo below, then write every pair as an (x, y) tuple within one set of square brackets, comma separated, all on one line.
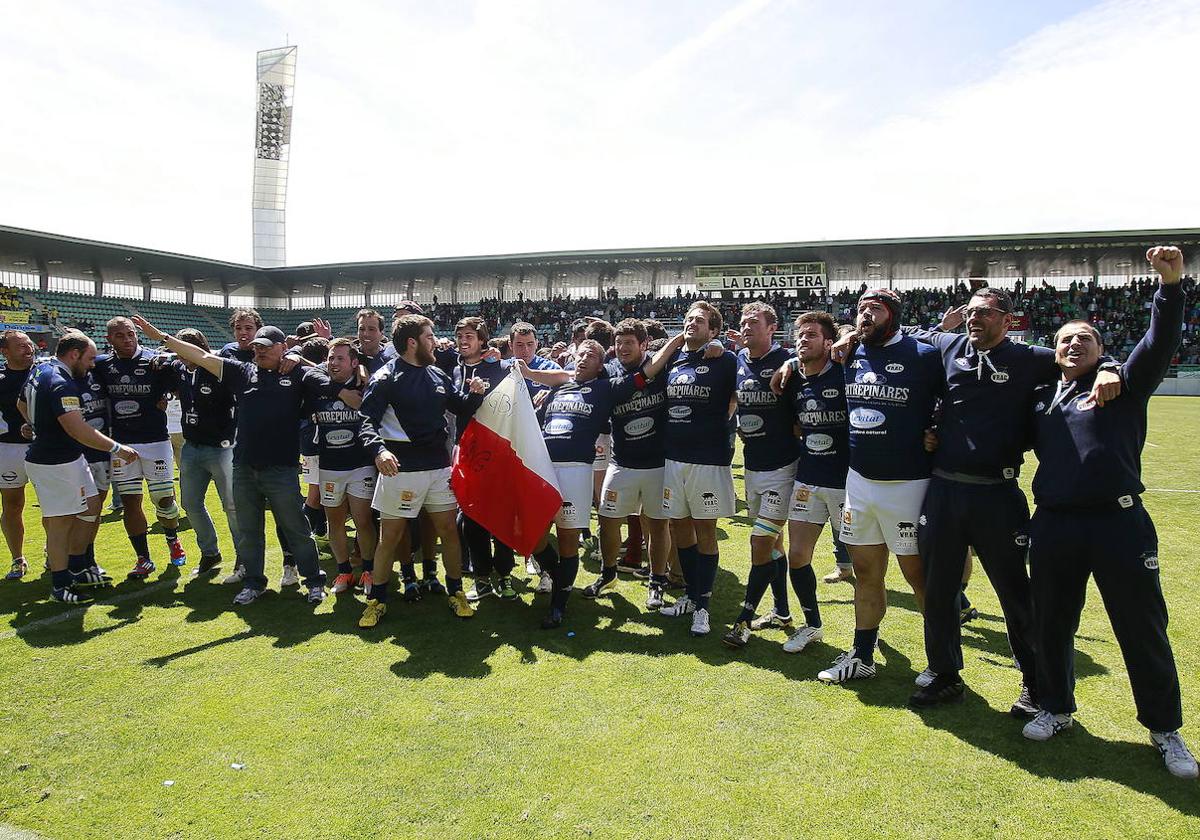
[(654, 597), (700, 622), (291, 576), (1179, 759), (847, 667), (925, 678), (800, 639), (531, 567), (546, 584), (1046, 725), (236, 576), (771, 619), (683, 606)]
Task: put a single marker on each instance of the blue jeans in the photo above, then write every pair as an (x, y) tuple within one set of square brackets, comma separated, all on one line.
[(254, 490), (198, 465)]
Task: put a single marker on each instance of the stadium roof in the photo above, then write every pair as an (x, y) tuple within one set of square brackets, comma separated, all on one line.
[(53, 248)]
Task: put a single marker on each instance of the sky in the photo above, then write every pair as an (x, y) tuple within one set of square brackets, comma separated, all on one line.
[(506, 126)]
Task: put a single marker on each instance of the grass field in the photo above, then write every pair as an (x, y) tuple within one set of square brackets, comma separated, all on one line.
[(628, 728)]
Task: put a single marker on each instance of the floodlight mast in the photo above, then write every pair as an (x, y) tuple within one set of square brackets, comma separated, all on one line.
[(272, 145)]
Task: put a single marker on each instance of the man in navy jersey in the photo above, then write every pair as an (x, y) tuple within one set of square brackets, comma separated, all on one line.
[(348, 474), (973, 501), (697, 480), (207, 454), (633, 481), (97, 414), (817, 393), (374, 348), (488, 554), (52, 402), (135, 385), (765, 424), (404, 425), (17, 349), (266, 449), (1090, 522), (892, 385), (574, 413)]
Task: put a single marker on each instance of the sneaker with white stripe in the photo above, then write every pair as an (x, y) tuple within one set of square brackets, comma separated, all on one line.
[(925, 678), (684, 606), (1046, 725), (847, 667), (1179, 759), (800, 639)]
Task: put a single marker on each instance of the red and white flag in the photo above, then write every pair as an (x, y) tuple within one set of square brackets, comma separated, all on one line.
[(502, 475)]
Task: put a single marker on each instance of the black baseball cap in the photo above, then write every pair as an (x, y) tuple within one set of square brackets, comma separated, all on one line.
[(410, 306), (266, 336), (305, 329)]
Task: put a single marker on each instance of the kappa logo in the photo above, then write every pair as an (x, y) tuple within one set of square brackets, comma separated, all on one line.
[(1150, 561), (1040, 407), (895, 367), (1009, 472), (921, 520)]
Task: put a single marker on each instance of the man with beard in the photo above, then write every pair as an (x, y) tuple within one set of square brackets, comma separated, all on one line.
[(136, 384), (697, 480), (17, 349), (267, 449), (1090, 521), (404, 425), (765, 424), (892, 385), (633, 482), (52, 403)]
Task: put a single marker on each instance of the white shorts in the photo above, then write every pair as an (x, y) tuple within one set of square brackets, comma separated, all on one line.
[(575, 482), (62, 489), (769, 492), (156, 462), (101, 474), (310, 469), (335, 484), (698, 491), (603, 449), (12, 465), (628, 491), (402, 496), (883, 512), (817, 505)]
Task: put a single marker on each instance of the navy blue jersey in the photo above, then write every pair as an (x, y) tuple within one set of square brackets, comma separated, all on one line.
[(764, 419), (491, 372), (891, 391), (698, 395), (135, 388), (404, 411), (1091, 457), (820, 404), (270, 405), (209, 416), (386, 353), (12, 384), (537, 363), (94, 401), (337, 429), (574, 416), (234, 351), (50, 392), (638, 416)]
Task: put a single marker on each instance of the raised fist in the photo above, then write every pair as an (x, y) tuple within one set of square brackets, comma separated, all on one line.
[(1167, 261)]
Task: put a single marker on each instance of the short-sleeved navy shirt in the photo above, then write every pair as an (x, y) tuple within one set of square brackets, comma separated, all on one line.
[(12, 384), (574, 416), (135, 388), (638, 416), (269, 410), (337, 428), (764, 418), (820, 404), (50, 393), (698, 395)]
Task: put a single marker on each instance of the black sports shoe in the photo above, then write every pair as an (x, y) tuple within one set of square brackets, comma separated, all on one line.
[(433, 586), (412, 591), (90, 578), (969, 614), (68, 595), (600, 584), (208, 563), (946, 688), (555, 619), (1026, 705)]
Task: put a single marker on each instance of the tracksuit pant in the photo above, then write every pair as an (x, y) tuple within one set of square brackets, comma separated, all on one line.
[(993, 519), (1119, 547), (478, 543)]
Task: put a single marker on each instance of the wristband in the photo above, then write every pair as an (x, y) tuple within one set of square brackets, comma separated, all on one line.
[(116, 447)]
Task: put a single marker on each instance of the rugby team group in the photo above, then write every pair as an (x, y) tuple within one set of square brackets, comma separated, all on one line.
[(907, 441)]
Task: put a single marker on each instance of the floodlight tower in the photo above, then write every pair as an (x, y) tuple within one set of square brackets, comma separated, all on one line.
[(272, 144)]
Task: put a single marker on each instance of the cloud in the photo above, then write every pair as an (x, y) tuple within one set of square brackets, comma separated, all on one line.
[(512, 125)]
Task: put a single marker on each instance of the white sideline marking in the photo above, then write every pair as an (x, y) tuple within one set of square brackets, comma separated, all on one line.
[(67, 615), (11, 832), (1168, 490)]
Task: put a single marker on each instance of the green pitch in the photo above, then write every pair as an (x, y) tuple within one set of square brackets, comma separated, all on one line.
[(434, 727)]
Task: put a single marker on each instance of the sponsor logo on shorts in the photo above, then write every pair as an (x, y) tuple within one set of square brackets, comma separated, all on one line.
[(802, 494), (906, 530), (610, 496), (8, 476), (328, 486), (1150, 561), (1009, 472), (895, 367), (708, 501), (847, 517), (406, 495)]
